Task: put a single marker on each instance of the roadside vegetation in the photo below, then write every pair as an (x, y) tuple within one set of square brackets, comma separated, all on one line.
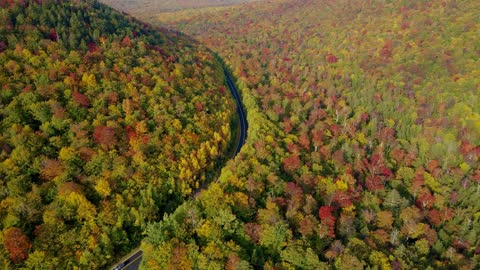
[(105, 124)]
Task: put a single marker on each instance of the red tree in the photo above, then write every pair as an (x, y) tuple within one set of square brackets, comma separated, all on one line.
[(53, 35), (17, 244), (433, 217), (386, 51), (222, 89), (126, 41), (425, 200), (304, 141), (325, 215), (80, 99), (104, 135), (331, 58), (342, 199), (374, 183), (92, 47), (198, 106), (131, 133), (291, 163)]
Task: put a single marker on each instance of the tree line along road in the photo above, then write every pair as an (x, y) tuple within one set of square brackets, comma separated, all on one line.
[(132, 261)]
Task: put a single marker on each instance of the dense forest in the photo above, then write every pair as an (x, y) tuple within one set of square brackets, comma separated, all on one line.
[(364, 140), (105, 124), (146, 8)]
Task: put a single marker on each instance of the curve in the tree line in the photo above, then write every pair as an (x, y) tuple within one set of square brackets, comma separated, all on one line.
[(132, 261)]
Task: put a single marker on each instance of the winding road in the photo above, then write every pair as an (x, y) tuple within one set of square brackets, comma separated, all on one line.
[(133, 260), (240, 111)]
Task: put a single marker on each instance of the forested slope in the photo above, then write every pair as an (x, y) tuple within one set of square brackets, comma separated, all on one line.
[(105, 124), (146, 8), (363, 146)]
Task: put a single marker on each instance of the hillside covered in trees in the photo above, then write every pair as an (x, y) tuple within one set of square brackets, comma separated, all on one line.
[(105, 124), (146, 8), (364, 140)]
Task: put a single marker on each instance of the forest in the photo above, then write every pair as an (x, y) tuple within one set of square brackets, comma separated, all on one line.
[(146, 8), (362, 150), (363, 146), (106, 123)]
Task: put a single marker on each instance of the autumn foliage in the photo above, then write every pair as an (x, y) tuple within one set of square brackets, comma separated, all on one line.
[(331, 58), (17, 244), (104, 135), (81, 99), (291, 163), (364, 131), (106, 123)]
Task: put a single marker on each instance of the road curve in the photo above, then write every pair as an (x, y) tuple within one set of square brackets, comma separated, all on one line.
[(133, 261), (242, 116)]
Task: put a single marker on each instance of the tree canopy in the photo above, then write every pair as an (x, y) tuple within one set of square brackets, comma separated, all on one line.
[(106, 123), (363, 145)]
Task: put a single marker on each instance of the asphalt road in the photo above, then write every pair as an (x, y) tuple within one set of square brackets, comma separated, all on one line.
[(133, 261), (130, 263), (240, 110)]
